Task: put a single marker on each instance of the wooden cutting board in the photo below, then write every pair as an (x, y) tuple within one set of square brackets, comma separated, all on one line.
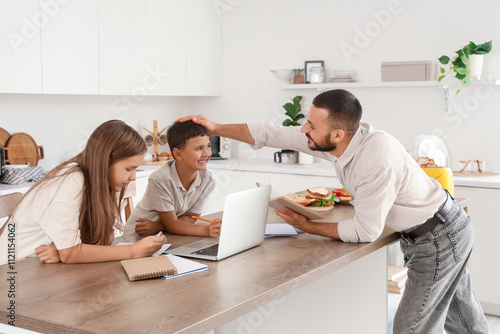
[(21, 148), (4, 136)]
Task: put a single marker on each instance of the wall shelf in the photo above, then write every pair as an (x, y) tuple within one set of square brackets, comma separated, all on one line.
[(333, 85), (346, 85)]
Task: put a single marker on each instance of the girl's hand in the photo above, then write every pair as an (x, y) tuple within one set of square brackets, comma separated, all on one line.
[(48, 253), (214, 229), (147, 227), (147, 246)]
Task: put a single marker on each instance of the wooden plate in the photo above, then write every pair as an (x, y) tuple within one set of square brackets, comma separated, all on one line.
[(4, 137), (21, 148), (321, 209)]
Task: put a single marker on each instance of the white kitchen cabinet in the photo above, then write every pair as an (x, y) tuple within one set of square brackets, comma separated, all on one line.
[(70, 53), (111, 47), (141, 183), (183, 49), (184, 44), (154, 47), (122, 47), (20, 59), (166, 46), (483, 265), (204, 49)]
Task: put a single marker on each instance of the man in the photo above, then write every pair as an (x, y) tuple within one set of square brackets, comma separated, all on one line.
[(388, 188)]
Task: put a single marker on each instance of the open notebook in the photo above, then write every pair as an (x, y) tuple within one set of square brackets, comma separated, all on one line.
[(185, 266)]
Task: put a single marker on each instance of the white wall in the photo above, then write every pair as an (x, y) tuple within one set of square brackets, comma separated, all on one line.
[(259, 35), (63, 123)]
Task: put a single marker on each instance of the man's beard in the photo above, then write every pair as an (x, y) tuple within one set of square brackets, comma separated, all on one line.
[(325, 146)]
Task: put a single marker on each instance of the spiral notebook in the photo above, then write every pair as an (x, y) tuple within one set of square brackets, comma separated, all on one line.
[(148, 267)]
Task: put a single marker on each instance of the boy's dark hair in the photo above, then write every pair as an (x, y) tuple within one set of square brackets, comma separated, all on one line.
[(180, 132), (344, 109)]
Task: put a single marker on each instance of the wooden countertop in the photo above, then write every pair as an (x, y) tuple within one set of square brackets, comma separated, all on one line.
[(98, 298)]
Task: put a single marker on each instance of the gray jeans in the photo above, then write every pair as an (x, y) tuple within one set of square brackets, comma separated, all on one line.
[(438, 293)]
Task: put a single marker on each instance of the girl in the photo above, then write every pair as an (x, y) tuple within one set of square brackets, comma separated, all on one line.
[(69, 215)]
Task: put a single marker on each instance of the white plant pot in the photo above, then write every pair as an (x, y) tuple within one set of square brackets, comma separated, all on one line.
[(476, 66)]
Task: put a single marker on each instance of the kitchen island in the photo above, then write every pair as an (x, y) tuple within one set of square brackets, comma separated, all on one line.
[(483, 194), (294, 285)]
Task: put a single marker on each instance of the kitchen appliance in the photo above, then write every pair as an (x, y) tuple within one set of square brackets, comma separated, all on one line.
[(2, 161), (444, 176), (286, 157), (431, 147), (221, 147)]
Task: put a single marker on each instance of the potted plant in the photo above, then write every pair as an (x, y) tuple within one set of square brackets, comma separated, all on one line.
[(293, 111), (466, 64)]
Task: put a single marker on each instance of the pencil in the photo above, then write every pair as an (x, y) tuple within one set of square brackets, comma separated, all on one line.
[(205, 220)]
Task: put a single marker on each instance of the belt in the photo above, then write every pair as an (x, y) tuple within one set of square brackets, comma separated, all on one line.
[(432, 222)]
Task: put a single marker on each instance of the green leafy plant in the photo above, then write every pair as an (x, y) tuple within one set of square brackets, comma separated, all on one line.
[(460, 64), (293, 111)]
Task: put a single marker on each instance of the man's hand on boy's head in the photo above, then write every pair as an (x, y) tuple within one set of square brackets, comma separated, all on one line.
[(147, 227), (199, 119)]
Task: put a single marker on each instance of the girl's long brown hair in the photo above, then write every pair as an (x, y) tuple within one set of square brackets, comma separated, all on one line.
[(110, 142)]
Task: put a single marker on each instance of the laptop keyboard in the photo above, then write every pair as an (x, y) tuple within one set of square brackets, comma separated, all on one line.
[(210, 251)]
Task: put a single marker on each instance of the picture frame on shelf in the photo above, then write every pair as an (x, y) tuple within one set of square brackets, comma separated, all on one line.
[(308, 65)]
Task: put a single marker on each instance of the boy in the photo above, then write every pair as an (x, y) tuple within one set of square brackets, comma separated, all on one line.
[(177, 191)]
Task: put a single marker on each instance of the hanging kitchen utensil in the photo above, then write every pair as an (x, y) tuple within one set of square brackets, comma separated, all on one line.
[(21, 148), (162, 140), (149, 139), (154, 138)]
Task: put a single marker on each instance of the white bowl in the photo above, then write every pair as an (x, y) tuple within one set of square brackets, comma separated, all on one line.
[(344, 74), (283, 76)]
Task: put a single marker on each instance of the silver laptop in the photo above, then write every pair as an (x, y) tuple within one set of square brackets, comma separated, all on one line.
[(243, 226)]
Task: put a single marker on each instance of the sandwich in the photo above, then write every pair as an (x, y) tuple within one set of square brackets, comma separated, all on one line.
[(342, 195), (319, 199)]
